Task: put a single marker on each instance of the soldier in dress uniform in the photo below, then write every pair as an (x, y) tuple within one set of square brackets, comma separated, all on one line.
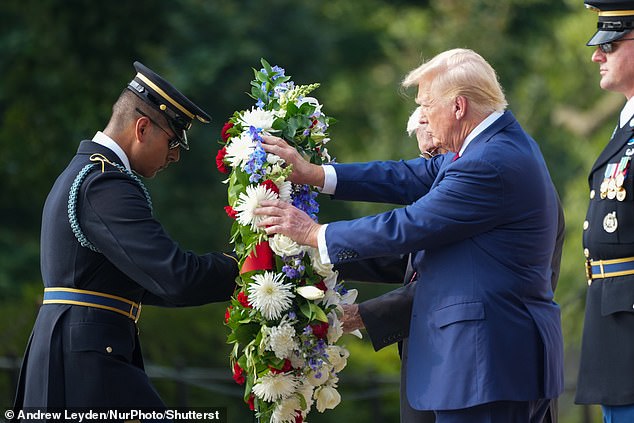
[(103, 254), (606, 373)]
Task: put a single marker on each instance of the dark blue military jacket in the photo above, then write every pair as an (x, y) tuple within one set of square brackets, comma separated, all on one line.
[(88, 357), (607, 353)]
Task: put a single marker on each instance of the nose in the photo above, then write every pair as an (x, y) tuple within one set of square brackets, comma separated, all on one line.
[(598, 55)]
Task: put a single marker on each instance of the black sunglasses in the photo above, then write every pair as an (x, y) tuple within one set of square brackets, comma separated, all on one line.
[(173, 140), (609, 46)]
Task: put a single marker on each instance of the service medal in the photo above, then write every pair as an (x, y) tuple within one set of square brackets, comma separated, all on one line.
[(610, 222), (604, 186), (611, 193), (621, 194), (620, 178), (611, 185)]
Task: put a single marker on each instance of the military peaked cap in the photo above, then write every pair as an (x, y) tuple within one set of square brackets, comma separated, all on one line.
[(162, 96), (616, 18)]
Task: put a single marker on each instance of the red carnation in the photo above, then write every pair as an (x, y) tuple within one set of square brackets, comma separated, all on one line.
[(285, 368), (322, 285), (223, 133), (270, 185), (320, 330), (251, 402), (220, 164), (231, 212), (244, 300), (228, 314), (238, 374)]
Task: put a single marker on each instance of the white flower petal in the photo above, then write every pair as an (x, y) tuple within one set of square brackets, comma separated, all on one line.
[(284, 246), (275, 386), (327, 397), (310, 292), (239, 150), (269, 295), (280, 339), (258, 118), (249, 201)]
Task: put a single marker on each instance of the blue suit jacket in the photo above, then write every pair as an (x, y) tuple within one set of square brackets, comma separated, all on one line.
[(483, 325)]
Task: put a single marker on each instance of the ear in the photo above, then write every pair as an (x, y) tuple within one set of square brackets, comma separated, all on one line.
[(141, 126), (460, 107)]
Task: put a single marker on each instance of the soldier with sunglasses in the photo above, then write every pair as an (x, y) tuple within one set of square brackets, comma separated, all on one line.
[(104, 254), (607, 352)]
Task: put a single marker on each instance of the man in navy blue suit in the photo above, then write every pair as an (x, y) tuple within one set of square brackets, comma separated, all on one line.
[(485, 341), (103, 254)]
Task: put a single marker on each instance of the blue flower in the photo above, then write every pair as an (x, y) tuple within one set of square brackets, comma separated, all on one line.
[(305, 199)]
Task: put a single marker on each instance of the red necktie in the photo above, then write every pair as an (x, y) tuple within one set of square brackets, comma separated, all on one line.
[(456, 157)]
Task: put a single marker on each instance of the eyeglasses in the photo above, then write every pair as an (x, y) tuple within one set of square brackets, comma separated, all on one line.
[(609, 46), (173, 140), (428, 154)]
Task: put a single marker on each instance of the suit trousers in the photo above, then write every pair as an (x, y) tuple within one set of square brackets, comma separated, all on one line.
[(499, 412)]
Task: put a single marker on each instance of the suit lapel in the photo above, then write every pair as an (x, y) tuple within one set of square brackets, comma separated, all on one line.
[(615, 145), (502, 122)]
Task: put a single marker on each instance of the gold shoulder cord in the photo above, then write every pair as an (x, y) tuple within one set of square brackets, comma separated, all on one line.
[(97, 157)]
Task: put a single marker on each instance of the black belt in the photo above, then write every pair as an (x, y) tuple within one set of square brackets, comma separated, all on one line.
[(598, 269), (85, 298)]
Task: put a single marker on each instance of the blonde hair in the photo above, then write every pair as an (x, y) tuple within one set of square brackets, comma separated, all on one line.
[(461, 72)]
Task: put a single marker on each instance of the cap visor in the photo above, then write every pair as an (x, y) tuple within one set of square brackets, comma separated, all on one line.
[(605, 37)]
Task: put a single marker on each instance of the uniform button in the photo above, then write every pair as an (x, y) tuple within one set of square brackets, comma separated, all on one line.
[(585, 225), (108, 350), (591, 194), (586, 252)]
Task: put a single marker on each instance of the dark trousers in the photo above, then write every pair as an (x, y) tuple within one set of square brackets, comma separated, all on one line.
[(499, 412)]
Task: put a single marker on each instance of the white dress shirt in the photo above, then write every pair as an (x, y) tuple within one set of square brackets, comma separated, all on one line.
[(103, 139)]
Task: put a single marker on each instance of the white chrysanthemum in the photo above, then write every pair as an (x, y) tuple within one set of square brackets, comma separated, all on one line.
[(286, 410), (275, 386), (249, 201), (280, 339), (284, 246), (327, 397), (338, 357), (286, 189), (324, 270), (240, 149), (258, 118), (269, 295)]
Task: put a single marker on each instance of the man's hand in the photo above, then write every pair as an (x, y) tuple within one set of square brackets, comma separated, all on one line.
[(304, 172), (351, 319), (286, 219)]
